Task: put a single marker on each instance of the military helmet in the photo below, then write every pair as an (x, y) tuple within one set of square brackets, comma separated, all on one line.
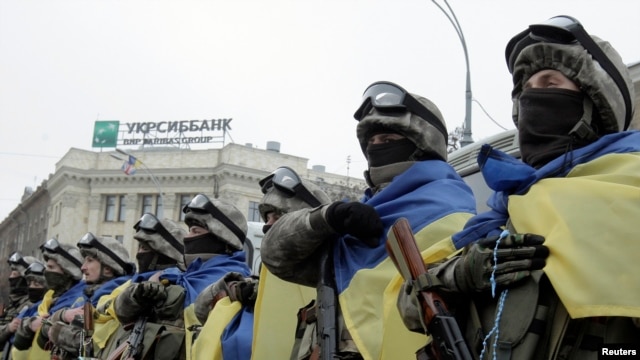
[(162, 236), (593, 64), (388, 107), (284, 191), (35, 272), (68, 257), (108, 251), (20, 263), (221, 219)]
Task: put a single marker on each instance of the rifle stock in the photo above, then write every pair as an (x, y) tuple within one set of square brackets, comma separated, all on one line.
[(447, 340), (87, 327), (327, 314)]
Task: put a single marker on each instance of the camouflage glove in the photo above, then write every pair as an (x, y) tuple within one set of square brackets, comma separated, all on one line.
[(245, 291), (357, 219), (517, 256), (208, 297), (149, 291)]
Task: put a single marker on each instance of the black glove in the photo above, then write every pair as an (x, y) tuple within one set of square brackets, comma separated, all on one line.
[(245, 291), (149, 291), (517, 256), (357, 219)]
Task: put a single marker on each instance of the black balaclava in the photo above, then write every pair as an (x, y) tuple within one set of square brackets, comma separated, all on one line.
[(18, 286), (151, 260), (545, 120), (390, 153), (36, 294), (203, 246), (58, 282)]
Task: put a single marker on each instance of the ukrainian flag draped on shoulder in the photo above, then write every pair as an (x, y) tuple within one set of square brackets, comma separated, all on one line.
[(585, 204), (196, 278), (431, 195)]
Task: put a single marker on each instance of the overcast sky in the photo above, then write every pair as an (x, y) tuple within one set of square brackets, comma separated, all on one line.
[(287, 71)]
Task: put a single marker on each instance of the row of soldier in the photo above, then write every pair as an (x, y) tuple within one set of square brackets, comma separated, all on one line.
[(563, 269)]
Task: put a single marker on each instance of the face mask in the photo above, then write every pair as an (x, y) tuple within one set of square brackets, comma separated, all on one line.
[(203, 246), (545, 118), (146, 261), (18, 285), (56, 281), (36, 294), (390, 153)]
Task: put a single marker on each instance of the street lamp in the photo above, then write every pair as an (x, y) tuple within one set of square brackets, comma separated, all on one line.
[(466, 134), (145, 167)]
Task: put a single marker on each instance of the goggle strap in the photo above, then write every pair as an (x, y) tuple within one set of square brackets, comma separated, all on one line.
[(429, 117), (608, 66)]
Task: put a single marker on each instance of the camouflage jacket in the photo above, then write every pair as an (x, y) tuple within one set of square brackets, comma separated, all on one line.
[(17, 305)]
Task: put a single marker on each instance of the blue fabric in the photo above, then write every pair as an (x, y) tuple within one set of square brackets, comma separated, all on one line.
[(238, 336), (508, 176), (30, 311), (107, 288), (199, 275), (143, 276), (70, 297), (427, 191)]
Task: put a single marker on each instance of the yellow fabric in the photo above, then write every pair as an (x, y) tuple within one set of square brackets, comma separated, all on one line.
[(369, 303), (19, 354), (190, 319), (36, 352), (208, 345), (276, 308), (107, 323), (45, 305), (589, 220)]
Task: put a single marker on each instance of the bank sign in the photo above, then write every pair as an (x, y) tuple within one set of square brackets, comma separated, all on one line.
[(111, 133)]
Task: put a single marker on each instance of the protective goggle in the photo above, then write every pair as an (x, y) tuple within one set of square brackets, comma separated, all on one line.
[(53, 246), (387, 97), (36, 269), (201, 204), (287, 181), (150, 224), (565, 29), (89, 241), (17, 259)]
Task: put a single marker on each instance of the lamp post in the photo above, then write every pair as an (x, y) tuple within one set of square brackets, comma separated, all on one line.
[(145, 167), (466, 134)]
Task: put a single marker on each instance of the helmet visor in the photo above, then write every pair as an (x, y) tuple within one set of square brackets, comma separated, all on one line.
[(36, 269), (150, 224), (201, 204), (17, 259), (53, 246), (387, 97), (89, 241), (288, 182)]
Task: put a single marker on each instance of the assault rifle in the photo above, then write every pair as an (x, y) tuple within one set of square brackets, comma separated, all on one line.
[(327, 314), (87, 331), (447, 341), (134, 342)]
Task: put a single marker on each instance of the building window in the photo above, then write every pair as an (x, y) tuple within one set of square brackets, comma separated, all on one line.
[(254, 213), (120, 238), (122, 208), (153, 204), (184, 200), (110, 211)]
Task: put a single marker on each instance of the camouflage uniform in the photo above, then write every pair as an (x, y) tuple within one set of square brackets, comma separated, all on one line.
[(68, 338), (18, 299), (292, 248), (163, 309), (533, 321), (58, 285)]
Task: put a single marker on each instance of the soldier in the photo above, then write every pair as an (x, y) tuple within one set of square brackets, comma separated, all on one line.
[(568, 208), (212, 248), (277, 301), (106, 266), (18, 297), (147, 306), (340, 246)]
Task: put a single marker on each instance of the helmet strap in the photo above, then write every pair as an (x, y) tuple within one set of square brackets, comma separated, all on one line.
[(583, 129)]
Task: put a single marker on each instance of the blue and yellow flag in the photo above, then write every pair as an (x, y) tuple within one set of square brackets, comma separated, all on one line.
[(437, 203), (585, 205)]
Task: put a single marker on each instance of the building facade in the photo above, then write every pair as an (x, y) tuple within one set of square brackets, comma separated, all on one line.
[(89, 192)]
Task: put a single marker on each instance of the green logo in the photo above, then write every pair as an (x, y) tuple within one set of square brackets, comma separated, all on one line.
[(105, 133)]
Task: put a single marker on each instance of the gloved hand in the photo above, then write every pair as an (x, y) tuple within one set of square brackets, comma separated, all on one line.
[(517, 256), (149, 291), (208, 297), (357, 219), (245, 291)]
